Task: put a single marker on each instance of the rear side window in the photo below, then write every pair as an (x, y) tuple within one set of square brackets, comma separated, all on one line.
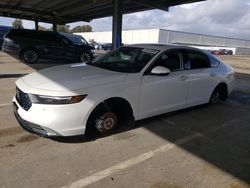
[(214, 62), (195, 60)]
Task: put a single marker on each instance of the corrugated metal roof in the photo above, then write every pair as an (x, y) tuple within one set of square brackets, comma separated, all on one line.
[(67, 11)]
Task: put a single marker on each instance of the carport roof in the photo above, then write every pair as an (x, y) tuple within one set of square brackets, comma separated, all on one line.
[(67, 11)]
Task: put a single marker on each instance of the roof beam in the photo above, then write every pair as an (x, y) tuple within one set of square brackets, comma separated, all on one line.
[(24, 9), (68, 11), (18, 4), (181, 2), (14, 15), (65, 3), (100, 14), (152, 4), (37, 4), (81, 8), (85, 9)]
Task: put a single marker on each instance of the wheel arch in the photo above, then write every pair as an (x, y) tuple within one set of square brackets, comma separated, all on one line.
[(115, 103), (223, 89)]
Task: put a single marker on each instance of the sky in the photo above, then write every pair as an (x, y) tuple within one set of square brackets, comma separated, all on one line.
[(227, 18)]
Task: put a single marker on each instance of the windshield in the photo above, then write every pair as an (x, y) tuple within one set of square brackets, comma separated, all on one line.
[(76, 39), (126, 59)]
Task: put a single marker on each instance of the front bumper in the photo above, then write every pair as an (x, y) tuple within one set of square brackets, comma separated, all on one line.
[(32, 128), (52, 120), (12, 51)]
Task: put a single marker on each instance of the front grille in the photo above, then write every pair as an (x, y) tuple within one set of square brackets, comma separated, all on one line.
[(23, 99)]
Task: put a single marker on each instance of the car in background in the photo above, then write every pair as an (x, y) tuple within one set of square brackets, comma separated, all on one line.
[(31, 46), (102, 46), (129, 83), (3, 31), (96, 45), (106, 46), (222, 52)]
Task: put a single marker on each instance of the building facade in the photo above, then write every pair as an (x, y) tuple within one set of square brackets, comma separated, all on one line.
[(162, 36)]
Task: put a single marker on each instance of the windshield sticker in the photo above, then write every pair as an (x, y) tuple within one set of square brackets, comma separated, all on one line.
[(150, 51)]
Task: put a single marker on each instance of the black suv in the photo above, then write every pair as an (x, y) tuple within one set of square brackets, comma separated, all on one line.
[(3, 31), (31, 46)]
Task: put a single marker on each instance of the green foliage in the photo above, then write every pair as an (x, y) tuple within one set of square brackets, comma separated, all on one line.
[(17, 24), (41, 28), (63, 28), (83, 28)]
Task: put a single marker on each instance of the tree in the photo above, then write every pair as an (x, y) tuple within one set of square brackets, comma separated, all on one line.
[(83, 28), (41, 28), (17, 24), (77, 29), (63, 28), (87, 28)]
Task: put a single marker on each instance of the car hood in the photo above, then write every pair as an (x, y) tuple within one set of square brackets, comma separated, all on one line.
[(73, 77)]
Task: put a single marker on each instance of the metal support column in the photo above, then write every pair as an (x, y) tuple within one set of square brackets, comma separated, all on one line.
[(117, 24), (36, 24), (54, 24)]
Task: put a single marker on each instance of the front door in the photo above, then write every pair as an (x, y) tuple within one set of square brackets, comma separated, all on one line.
[(162, 94)]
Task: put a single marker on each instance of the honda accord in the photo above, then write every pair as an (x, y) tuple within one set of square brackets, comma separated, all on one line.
[(127, 84)]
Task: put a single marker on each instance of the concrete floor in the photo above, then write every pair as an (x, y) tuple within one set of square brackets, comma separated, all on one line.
[(206, 146)]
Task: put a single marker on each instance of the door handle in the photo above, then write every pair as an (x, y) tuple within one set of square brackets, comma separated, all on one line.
[(184, 78), (213, 74)]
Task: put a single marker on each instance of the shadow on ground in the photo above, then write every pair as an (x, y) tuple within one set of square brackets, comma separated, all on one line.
[(223, 129), (11, 75)]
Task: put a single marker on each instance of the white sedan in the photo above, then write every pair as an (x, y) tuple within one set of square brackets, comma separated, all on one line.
[(127, 84)]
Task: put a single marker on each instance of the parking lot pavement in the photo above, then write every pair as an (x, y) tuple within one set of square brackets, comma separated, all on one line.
[(205, 146)]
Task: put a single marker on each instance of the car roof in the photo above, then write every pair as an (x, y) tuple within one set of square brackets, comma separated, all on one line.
[(163, 47), (70, 35)]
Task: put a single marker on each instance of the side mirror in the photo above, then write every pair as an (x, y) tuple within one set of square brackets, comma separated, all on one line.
[(160, 71)]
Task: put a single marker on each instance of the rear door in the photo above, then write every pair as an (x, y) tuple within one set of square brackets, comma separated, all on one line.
[(51, 46), (199, 76), (70, 50)]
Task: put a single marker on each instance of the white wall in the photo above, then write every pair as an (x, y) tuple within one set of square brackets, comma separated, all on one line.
[(128, 37), (215, 48), (171, 37)]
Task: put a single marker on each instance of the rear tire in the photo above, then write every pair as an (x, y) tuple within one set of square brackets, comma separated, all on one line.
[(220, 93), (30, 56), (215, 97)]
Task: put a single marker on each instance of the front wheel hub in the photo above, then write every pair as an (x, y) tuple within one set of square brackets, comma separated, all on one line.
[(106, 122)]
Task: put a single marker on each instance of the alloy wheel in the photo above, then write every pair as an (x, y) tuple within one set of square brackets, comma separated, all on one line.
[(85, 57), (30, 56)]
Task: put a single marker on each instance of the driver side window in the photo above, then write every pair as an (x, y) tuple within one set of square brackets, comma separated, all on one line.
[(170, 60)]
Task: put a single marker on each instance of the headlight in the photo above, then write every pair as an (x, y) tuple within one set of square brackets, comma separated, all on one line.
[(92, 50), (11, 42), (41, 99)]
